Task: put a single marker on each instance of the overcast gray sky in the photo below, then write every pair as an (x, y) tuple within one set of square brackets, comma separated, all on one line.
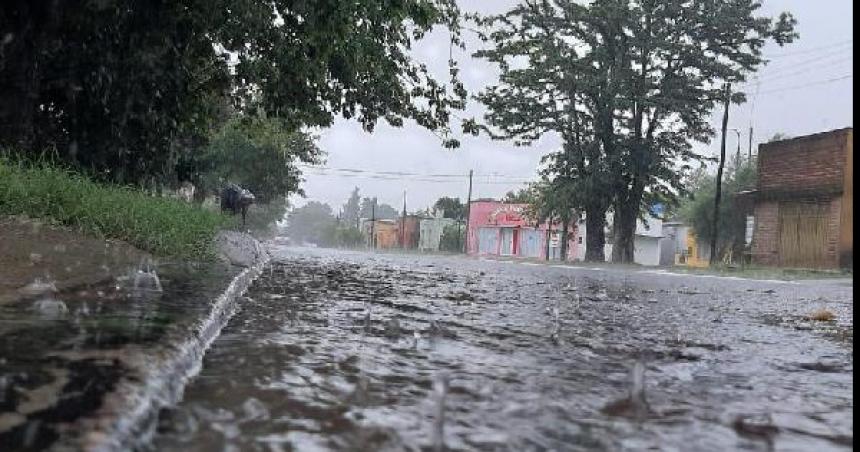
[(803, 90)]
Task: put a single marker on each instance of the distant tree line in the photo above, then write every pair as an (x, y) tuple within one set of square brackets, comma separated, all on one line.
[(317, 223)]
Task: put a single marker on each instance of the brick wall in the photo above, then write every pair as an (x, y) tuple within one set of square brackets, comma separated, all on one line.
[(807, 163), (809, 167), (846, 239), (833, 224), (765, 242)]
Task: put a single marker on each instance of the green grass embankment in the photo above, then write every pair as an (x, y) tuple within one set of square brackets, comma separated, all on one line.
[(161, 226)]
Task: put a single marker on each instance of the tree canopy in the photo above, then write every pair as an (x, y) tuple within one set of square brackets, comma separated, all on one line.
[(350, 214), (697, 209), (382, 211), (358, 207), (450, 207), (259, 155), (627, 85), (310, 222), (520, 196), (126, 89)]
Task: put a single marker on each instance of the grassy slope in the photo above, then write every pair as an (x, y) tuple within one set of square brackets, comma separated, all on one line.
[(162, 226)]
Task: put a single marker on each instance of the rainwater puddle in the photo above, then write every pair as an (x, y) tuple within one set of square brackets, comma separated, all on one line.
[(64, 353)]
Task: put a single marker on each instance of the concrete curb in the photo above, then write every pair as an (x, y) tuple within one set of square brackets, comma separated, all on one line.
[(136, 406)]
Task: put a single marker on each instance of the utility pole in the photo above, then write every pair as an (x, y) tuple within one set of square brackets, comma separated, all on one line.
[(403, 224), (468, 213), (738, 154), (749, 149), (548, 236), (373, 224), (715, 224)]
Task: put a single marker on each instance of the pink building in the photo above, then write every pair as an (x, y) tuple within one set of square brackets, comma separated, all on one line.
[(500, 229)]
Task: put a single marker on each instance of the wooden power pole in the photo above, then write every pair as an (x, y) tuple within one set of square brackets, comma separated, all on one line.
[(716, 221), (749, 149), (468, 213), (373, 224), (403, 224)]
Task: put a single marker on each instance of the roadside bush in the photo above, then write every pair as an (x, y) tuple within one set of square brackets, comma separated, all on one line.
[(262, 219), (698, 209), (453, 237), (342, 237)]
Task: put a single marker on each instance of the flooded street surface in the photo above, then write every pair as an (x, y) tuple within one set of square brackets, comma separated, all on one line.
[(350, 351)]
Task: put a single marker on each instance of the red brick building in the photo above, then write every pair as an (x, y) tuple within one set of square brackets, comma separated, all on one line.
[(804, 202), (410, 231)]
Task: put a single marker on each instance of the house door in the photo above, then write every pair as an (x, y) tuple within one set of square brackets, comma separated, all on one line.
[(803, 234), (488, 240), (530, 241), (507, 242)]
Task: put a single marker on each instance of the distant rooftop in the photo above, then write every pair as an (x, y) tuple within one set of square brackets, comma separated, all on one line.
[(813, 136)]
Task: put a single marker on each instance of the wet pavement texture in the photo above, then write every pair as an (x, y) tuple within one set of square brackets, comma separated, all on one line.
[(31, 250), (335, 350), (77, 361)]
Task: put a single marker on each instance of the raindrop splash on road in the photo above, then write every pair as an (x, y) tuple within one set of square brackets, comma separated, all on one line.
[(145, 278), (634, 406), (348, 351), (440, 392)]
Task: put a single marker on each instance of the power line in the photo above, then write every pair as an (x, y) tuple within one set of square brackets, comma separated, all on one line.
[(386, 173), (409, 174), (386, 178), (846, 53), (803, 66), (489, 180), (841, 60), (819, 82), (813, 49)]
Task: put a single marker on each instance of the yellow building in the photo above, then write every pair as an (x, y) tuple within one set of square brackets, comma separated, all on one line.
[(693, 255), (688, 251), (386, 233)]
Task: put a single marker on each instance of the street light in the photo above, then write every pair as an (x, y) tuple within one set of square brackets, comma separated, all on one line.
[(738, 157)]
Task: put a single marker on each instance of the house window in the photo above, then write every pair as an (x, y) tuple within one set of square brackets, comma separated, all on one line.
[(580, 240)]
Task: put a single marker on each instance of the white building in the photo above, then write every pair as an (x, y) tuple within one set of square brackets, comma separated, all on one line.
[(430, 234), (650, 246)]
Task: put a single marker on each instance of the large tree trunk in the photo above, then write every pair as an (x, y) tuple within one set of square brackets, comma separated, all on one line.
[(626, 215), (564, 231), (595, 237), (548, 237), (624, 229)]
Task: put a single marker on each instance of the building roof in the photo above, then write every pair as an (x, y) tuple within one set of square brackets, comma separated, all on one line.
[(810, 137)]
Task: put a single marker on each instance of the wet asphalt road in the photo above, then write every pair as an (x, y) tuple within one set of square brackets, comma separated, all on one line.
[(336, 350)]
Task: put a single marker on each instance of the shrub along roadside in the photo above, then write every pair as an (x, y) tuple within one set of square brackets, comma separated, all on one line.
[(162, 226)]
